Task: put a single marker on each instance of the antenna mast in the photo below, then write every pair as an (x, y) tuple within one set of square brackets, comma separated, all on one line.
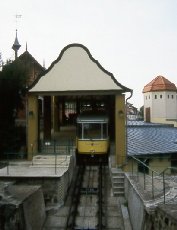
[(16, 46)]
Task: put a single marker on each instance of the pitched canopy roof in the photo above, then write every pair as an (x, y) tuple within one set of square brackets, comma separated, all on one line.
[(160, 83), (74, 71)]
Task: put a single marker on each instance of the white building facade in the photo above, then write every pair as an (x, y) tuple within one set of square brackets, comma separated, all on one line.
[(160, 101)]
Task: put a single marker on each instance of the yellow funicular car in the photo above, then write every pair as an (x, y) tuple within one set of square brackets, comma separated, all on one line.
[(92, 137)]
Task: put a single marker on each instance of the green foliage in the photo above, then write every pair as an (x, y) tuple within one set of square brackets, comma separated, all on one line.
[(12, 91), (141, 112), (1, 62)]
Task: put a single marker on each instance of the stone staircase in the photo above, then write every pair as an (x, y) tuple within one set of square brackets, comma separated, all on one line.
[(117, 179)]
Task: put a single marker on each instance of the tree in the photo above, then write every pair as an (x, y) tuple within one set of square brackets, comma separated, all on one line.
[(141, 112), (12, 90), (1, 62)]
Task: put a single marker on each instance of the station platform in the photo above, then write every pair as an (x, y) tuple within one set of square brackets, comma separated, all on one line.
[(40, 166)]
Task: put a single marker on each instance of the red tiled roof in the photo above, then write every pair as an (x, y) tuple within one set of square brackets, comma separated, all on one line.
[(160, 83)]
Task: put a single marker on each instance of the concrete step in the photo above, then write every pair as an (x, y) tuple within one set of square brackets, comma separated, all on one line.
[(118, 190), (118, 174), (118, 187), (118, 193), (117, 178)]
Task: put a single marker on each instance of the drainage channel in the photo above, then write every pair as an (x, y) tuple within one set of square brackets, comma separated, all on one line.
[(86, 208)]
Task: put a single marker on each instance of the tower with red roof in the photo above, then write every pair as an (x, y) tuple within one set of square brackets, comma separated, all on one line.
[(160, 101)]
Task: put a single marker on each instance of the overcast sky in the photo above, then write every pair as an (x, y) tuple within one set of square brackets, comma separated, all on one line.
[(136, 40)]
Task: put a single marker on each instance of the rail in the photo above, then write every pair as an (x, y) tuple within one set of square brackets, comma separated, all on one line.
[(78, 191), (70, 223), (156, 180), (100, 199)]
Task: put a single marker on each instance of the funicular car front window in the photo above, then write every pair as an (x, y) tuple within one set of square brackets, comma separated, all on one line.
[(105, 132), (79, 131), (92, 131)]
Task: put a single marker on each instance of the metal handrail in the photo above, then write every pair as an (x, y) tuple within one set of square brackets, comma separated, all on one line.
[(161, 174), (174, 168), (53, 144), (141, 162)]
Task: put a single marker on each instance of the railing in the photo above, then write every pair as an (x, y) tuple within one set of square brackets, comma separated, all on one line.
[(51, 163), (56, 146), (155, 183), (57, 149), (53, 147)]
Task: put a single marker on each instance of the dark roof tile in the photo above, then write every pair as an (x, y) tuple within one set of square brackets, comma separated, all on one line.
[(147, 138)]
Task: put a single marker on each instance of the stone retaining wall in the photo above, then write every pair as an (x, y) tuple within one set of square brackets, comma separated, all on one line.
[(37, 194), (22, 207), (166, 217), (135, 205), (146, 217), (54, 188)]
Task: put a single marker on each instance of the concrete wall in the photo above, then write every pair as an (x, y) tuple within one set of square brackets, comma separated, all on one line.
[(54, 188), (159, 164), (22, 207), (165, 217), (30, 198), (131, 166), (135, 206), (34, 211), (146, 217)]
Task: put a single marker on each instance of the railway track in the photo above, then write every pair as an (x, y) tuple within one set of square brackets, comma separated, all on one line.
[(87, 199), (89, 203)]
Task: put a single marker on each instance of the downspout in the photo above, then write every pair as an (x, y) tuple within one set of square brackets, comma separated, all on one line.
[(126, 135)]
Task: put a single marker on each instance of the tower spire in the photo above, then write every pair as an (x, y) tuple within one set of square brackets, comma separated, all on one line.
[(44, 63), (16, 46)]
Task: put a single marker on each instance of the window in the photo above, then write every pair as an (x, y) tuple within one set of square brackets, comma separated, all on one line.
[(155, 96), (141, 165), (168, 96), (79, 131), (172, 96), (161, 96), (92, 131)]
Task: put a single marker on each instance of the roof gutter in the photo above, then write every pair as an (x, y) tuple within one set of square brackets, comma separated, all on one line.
[(126, 134), (126, 102)]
